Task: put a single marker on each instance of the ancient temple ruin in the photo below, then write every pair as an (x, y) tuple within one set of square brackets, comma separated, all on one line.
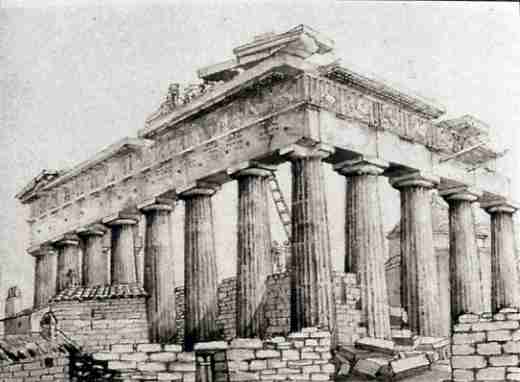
[(271, 103)]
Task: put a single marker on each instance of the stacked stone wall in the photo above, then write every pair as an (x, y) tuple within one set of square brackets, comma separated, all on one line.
[(486, 347), (97, 324), (305, 355), (46, 368)]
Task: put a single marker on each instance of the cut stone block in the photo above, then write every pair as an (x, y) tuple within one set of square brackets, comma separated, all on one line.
[(376, 344), (431, 343), (370, 367), (406, 367)]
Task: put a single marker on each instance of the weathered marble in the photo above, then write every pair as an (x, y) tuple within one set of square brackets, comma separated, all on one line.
[(200, 267), (253, 249), (466, 293), (420, 289), (505, 282), (159, 266), (95, 261), (45, 275), (123, 267), (69, 272), (311, 289), (365, 247)]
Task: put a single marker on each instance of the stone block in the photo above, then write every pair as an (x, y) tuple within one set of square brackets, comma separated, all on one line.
[(328, 368), (468, 338), (151, 366), (370, 367), (311, 342), (461, 328), (310, 329), (211, 345), (186, 357), (172, 348), (491, 374), (310, 355), (163, 357), (504, 360), (122, 365), (287, 371), (320, 377), (246, 343), (376, 344), (165, 376), (513, 316), (464, 349), (463, 375), (468, 318), (297, 335), (238, 365), (488, 348), (263, 354), (325, 342), (320, 334), (240, 354), (257, 365), (300, 363), (499, 335), (499, 317), (290, 355), (122, 348), (138, 357), (276, 364), (241, 376), (404, 367), (493, 326), (468, 362), (149, 348), (508, 310)]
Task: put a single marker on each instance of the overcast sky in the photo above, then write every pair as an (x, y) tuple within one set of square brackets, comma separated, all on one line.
[(76, 78)]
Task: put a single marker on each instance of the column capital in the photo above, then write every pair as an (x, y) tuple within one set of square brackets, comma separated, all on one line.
[(299, 151), (42, 250), (361, 166), (500, 205), (460, 193), (92, 230), (157, 204), (250, 168), (121, 218), (198, 189), (68, 239), (415, 179)]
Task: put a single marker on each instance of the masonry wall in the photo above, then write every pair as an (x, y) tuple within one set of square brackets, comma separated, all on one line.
[(304, 355), (47, 368), (487, 347), (96, 324), (349, 326)]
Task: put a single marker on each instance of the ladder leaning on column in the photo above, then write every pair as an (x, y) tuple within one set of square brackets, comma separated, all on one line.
[(281, 205)]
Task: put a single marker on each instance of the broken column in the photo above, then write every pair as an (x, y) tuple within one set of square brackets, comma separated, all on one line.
[(159, 280), (253, 248), (200, 267), (13, 303), (420, 286), (45, 274), (365, 247), (504, 269), (466, 294), (311, 285), (123, 267), (68, 262), (95, 261)]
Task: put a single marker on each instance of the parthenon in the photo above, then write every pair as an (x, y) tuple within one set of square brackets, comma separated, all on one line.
[(272, 103)]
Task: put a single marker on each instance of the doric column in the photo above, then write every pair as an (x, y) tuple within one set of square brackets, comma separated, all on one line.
[(418, 261), (200, 267), (505, 284), (365, 246), (45, 274), (95, 261), (69, 272), (466, 294), (253, 248), (123, 268), (311, 282), (159, 281)]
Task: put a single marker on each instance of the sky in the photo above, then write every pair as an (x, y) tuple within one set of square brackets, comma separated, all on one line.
[(76, 76)]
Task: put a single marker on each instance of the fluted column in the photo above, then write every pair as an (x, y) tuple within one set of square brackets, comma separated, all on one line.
[(95, 266), (253, 248), (311, 283), (365, 247), (45, 275), (159, 265), (123, 267), (200, 267), (419, 263), (466, 294), (69, 272), (505, 284)]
